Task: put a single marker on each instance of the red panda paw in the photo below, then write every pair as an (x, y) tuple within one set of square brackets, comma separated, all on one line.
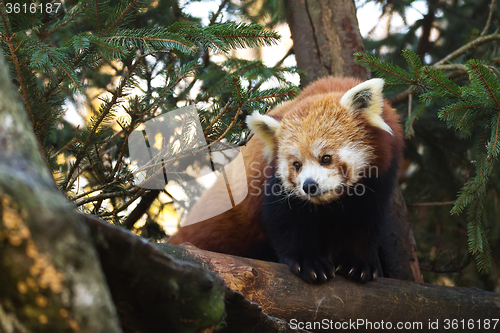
[(312, 270), (356, 270)]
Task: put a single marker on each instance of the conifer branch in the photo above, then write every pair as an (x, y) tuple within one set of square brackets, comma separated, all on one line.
[(131, 5), (259, 98), (5, 21), (51, 90), (229, 127), (104, 114), (463, 106), (105, 196), (117, 94), (139, 194), (22, 85), (98, 19), (8, 38), (382, 67), (94, 189), (216, 119), (475, 68), (119, 160), (151, 39), (445, 86), (238, 72), (494, 142), (98, 155), (68, 74), (69, 17), (69, 144)]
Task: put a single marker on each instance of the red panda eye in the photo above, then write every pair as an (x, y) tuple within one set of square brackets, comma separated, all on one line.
[(326, 159), (297, 166)]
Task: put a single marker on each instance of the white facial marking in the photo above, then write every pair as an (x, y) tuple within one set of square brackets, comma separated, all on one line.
[(282, 172), (356, 158), (327, 179), (317, 147), (295, 152), (331, 181)]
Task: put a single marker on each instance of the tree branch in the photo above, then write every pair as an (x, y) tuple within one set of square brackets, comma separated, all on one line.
[(219, 11), (488, 21), (427, 23), (285, 296), (141, 208), (467, 47), (441, 64)]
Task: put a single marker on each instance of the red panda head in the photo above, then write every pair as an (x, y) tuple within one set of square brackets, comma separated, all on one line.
[(324, 144)]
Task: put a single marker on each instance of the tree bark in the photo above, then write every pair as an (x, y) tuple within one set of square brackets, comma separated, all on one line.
[(325, 35), (153, 292), (50, 276), (283, 295), (398, 249)]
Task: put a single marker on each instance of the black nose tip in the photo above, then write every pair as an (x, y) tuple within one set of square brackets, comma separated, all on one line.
[(310, 187)]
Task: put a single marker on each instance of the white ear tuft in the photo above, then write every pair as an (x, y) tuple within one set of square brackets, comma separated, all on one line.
[(265, 127), (367, 98)]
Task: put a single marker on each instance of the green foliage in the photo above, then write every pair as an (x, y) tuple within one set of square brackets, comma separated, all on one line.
[(269, 12), (138, 59), (471, 108)]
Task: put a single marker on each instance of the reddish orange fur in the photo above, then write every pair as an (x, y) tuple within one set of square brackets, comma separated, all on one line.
[(236, 231)]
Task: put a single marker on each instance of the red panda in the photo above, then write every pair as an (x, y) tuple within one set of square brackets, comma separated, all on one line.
[(320, 174)]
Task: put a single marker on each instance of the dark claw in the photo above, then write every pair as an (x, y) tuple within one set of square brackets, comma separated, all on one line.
[(310, 270), (356, 269)]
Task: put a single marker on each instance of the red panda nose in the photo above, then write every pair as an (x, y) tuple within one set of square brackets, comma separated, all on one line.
[(310, 187)]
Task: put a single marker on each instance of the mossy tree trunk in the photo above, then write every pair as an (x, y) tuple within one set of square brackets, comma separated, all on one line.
[(50, 278)]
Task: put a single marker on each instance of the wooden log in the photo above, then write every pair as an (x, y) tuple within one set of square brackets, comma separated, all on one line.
[(341, 304)]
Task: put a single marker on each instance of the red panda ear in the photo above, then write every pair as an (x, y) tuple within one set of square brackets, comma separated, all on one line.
[(367, 98), (265, 127)]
